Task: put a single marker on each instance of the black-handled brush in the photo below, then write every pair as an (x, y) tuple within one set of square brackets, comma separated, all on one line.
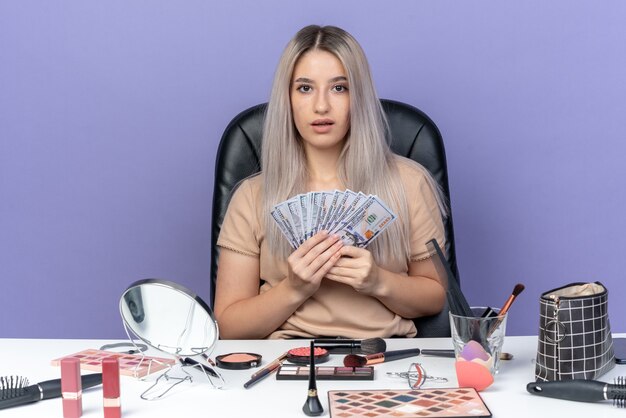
[(582, 390), (343, 346)]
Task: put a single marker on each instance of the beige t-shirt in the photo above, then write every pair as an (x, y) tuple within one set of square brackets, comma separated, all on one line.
[(335, 309)]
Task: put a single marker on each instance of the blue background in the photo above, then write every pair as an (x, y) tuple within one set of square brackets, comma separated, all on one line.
[(111, 113)]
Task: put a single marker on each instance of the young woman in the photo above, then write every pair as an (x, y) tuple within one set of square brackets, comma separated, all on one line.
[(325, 130)]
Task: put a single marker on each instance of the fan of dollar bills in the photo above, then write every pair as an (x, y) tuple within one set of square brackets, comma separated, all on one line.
[(357, 218)]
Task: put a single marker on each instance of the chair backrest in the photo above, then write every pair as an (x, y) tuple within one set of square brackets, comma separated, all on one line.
[(413, 135)]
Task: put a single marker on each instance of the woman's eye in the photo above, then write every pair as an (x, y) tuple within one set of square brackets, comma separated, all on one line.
[(304, 88), (340, 89)]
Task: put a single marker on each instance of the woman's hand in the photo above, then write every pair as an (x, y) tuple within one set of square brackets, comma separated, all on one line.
[(356, 268), (311, 262)]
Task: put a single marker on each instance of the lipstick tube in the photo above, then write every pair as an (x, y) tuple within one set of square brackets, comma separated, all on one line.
[(71, 388), (111, 387)]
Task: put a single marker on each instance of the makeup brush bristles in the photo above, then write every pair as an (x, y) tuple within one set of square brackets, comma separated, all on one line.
[(12, 386), (519, 288), (354, 360), (373, 345)]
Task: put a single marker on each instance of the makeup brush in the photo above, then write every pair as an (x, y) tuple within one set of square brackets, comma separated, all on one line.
[(354, 360), (519, 288), (266, 371), (312, 407), (582, 390), (15, 391), (343, 346)]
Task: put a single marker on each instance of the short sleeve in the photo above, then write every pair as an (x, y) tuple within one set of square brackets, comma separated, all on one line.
[(426, 220), (240, 228)]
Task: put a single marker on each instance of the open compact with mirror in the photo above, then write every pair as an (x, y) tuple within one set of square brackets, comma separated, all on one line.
[(173, 320)]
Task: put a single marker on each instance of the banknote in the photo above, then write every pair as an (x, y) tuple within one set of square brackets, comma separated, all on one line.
[(316, 207), (357, 218), (284, 226), (334, 200), (295, 213), (304, 212), (338, 211), (365, 223), (326, 202)]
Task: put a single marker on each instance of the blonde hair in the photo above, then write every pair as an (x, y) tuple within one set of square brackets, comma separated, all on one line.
[(366, 163)]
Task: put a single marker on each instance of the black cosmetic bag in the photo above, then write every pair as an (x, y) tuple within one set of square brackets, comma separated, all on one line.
[(574, 333)]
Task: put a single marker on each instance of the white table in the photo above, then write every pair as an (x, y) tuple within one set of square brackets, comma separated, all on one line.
[(506, 398)]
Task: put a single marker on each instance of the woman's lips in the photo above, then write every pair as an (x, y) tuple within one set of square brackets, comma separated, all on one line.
[(322, 126)]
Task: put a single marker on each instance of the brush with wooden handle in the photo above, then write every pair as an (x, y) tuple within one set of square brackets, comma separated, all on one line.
[(353, 360)]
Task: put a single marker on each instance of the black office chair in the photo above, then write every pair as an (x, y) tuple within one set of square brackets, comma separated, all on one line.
[(413, 135)]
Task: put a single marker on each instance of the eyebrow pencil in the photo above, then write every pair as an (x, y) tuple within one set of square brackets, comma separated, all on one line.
[(14, 390)]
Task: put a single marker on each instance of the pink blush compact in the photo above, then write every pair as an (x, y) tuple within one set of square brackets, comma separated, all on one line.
[(238, 361), (301, 355)]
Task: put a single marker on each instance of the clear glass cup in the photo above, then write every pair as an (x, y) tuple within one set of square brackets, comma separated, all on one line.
[(479, 339)]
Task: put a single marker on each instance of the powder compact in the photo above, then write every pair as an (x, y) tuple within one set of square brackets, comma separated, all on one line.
[(302, 355), (238, 361)]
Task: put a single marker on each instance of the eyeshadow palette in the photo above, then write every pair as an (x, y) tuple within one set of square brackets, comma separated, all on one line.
[(130, 365), (448, 402), (325, 373)]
